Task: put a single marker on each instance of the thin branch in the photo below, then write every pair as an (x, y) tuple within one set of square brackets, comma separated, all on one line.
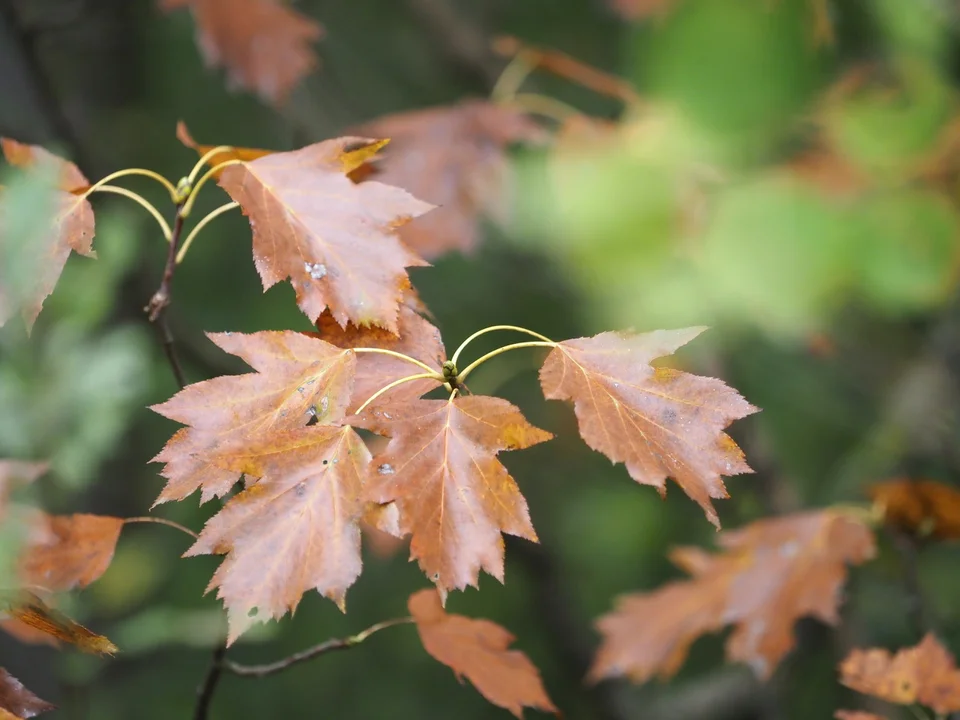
[(205, 691), (162, 521), (321, 649), (161, 299)]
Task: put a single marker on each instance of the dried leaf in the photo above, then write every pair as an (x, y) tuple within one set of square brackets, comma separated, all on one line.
[(856, 715), (264, 45), (334, 239), (35, 613), (453, 157), (477, 650), (26, 634), (17, 702), (925, 674), (71, 229), (921, 507), (453, 495), (295, 529), (297, 378), (770, 573), (659, 422), (68, 551), (415, 337)]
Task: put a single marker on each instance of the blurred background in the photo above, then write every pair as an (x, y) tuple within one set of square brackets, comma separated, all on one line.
[(787, 174)]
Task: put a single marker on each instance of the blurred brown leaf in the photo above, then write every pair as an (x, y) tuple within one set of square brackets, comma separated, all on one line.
[(67, 551), (920, 507), (18, 703), (35, 613)]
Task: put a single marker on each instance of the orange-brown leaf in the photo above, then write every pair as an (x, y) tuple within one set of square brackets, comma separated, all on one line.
[(17, 702), (925, 674), (856, 715), (770, 573), (415, 337), (334, 239), (68, 551), (452, 494), (234, 153), (921, 507), (661, 423), (35, 613), (477, 650), (71, 229), (295, 529), (297, 378), (264, 45), (453, 157)]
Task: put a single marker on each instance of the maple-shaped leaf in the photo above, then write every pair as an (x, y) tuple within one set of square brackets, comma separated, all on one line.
[(477, 650), (295, 529), (32, 611), (453, 496), (71, 230), (416, 337), (297, 378), (18, 703), (770, 574), (921, 507), (660, 422), (925, 674), (67, 551), (334, 239), (265, 46), (455, 158)]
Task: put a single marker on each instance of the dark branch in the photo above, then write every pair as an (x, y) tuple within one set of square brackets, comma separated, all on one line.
[(323, 648), (918, 612), (206, 690), (155, 309)]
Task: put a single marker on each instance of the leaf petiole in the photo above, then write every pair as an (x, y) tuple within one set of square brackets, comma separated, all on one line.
[(386, 388), (492, 328), (134, 171), (161, 521), (200, 225), (206, 157), (140, 200), (544, 105), (493, 353), (399, 356), (194, 191), (513, 75)]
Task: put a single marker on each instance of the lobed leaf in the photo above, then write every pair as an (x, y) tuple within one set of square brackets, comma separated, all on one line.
[(452, 494), (770, 573), (477, 650), (659, 422), (334, 239)]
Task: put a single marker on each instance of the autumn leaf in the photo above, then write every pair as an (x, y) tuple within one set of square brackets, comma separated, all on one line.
[(30, 610), (334, 239), (769, 574), (921, 507), (71, 229), (265, 46), (477, 650), (297, 378), (234, 153), (455, 158), (18, 703), (856, 715), (416, 337), (660, 422), (925, 674), (295, 529), (453, 496), (67, 551)]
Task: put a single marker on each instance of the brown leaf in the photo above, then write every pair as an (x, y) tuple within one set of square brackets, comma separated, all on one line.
[(295, 529), (234, 153), (415, 337), (453, 157), (68, 551), (453, 495), (35, 613), (71, 229), (659, 422), (925, 674), (17, 702), (265, 46), (334, 239), (856, 715), (770, 573), (477, 650), (642, 9), (297, 378), (26, 634), (920, 507)]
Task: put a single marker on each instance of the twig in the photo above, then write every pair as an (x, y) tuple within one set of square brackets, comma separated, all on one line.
[(161, 299), (162, 521), (326, 646), (205, 691)]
